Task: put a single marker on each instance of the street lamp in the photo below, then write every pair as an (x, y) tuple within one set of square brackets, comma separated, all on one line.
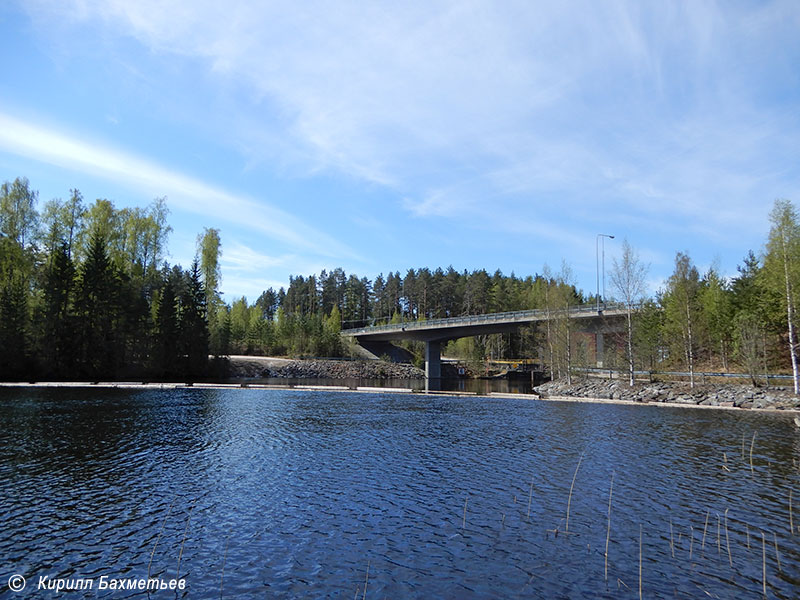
[(597, 245)]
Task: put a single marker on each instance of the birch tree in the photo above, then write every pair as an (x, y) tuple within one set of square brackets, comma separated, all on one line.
[(209, 251), (782, 265), (681, 307), (628, 276), (549, 307)]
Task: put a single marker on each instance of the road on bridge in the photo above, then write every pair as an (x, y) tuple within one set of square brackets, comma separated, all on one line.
[(436, 331)]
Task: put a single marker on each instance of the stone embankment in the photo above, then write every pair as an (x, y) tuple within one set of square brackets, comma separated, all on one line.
[(730, 395), (322, 369)]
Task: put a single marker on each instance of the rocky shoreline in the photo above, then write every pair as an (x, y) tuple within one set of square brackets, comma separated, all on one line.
[(252, 367), (730, 395)]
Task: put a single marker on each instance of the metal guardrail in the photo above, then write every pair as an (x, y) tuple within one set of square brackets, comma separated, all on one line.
[(623, 373), (538, 314)]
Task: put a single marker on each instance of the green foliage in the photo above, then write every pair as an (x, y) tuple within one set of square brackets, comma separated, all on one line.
[(648, 335), (98, 311), (193, 340), (85, 292), (59, 321), (681, 304), (717, 316), (13, 327), (18, 216), (166, 356), (782, 271), (209, 250)]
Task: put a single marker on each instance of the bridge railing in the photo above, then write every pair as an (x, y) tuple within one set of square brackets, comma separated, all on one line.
[(517, 315)]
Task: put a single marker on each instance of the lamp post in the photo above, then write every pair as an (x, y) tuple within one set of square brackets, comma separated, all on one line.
[(597, 263)]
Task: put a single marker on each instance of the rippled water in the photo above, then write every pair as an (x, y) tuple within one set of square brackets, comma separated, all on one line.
[(298, 494)]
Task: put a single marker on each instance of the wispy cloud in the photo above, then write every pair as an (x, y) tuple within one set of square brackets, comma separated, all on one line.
[(669, 119), (519, 98), (250, 272), (184, 192)]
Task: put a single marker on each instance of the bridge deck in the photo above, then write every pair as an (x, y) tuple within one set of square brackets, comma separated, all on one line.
[(469, 325)]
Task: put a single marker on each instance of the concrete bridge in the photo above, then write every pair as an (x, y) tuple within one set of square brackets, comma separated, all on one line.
[(436, 331)]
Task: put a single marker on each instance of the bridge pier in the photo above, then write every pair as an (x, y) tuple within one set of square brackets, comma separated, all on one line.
[(599, 349), (433, 366)]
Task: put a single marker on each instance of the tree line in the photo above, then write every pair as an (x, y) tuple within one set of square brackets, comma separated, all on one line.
[(85, 292)]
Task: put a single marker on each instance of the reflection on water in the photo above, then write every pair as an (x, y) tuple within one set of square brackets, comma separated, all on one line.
[(299, 493), (475, 386)]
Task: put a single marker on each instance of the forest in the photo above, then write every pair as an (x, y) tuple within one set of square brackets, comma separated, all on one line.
[(86, 293)]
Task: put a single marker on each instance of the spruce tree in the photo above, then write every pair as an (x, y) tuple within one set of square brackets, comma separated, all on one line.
[(193, 325), (59, 348)]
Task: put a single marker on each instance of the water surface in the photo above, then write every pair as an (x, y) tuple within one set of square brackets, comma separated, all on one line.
[(301, 494)]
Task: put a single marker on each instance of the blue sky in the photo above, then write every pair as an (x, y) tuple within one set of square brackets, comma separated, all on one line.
[(382, 137)]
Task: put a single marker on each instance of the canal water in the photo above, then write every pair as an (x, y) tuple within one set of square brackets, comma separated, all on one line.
[(247, 493), (474, 386)]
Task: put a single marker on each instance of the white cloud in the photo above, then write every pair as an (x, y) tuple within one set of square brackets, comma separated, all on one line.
[(654, 111), (239, 257), (184, 192)]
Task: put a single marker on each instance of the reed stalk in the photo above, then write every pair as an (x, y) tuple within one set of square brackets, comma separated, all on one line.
[(464, 519), (791, 524), (777, 554), (725, 461), (705, 527), (719, 545), (608, 528), (569, 499), (183, 541), (727, 539), (224, 559), (158, 537), (743, 445), (530, 498), (366, 580), (764, 564), (671, 542), (752, 443), (691, 541), (640, 562)]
